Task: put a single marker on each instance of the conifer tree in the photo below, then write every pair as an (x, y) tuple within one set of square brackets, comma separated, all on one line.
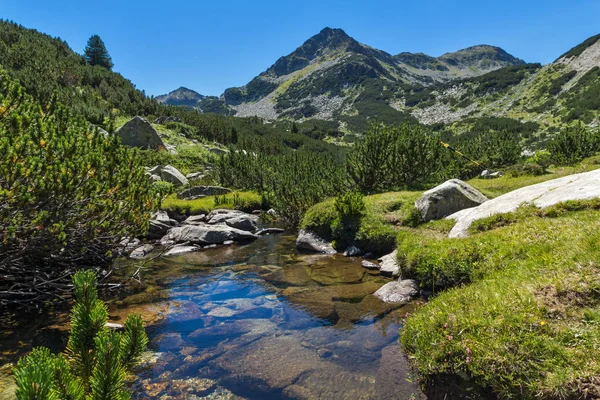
[(96, 53), (96, 361)]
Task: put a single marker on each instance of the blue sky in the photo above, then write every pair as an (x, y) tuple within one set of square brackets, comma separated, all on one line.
[(209, 46)]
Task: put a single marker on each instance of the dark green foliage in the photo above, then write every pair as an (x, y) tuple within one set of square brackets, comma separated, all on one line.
[(68, 194), (583, 98), (580, 48), (49, 70), (350, 208), (96, 361), (516, 127), (573, 144), (96, 54), (394, 157)]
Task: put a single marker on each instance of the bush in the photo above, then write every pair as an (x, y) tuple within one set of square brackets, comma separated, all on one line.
[(68, 194), (350, 208), (573, 144), (96, 361), (388, 158)]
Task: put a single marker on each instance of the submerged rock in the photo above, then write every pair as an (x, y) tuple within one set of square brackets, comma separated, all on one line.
[(312, 242), (394, 377), (142, 251), (449, 197), (178, 250), (398, 292), (369, 265)]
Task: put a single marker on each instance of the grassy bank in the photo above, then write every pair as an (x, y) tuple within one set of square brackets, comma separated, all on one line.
[(244, 201), (515, 311)]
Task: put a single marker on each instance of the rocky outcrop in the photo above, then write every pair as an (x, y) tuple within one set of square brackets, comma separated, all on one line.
[(310, 241), (138, 132), (171, 174), (446, 199), (197, 192), (206, 235), (219, 216), (398, 292), (573, 187)]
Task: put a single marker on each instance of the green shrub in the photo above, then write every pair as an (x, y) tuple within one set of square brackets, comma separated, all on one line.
[(350, 208), (96, 361), (68, 194), (319, 218), (573, 144), (390, 157)]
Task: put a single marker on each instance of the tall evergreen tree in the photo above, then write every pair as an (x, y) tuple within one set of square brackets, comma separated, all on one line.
[(96, 53)]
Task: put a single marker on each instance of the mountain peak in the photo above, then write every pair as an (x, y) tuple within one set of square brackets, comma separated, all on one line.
[(481, 56), (181, 97)]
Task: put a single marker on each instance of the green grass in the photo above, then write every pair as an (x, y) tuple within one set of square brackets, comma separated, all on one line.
[(245, 201), (378, 226), (528, 324)]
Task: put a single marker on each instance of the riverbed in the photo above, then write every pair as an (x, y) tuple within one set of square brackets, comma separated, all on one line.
[(262, 321)]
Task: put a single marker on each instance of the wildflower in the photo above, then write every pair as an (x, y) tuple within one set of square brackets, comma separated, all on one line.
[(449, 337)]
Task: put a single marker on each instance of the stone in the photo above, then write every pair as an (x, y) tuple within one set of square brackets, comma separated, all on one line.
[(269, 231), (224, 216), (395, 379), (157, 229), (272, 213), (114, 326), (164, 119), (222, 312), (192, 387), (142, 251), (352, 251), (138, 132), (206, 235), (244, 222), (228, 242), (310, 241), (168, 342), (195, 175), (155, 170), (398, 291), (154, 178), (196, 191), (172, 174), (583, 186), (195, 219), (369, 265), (389, 265), (178, 250), (449, 197)]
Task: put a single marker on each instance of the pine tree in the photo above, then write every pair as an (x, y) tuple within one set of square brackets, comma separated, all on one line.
[(96, 361), (96, 53)]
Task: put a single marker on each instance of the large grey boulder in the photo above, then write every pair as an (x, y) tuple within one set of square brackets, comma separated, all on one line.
[(446, 199), (138, 132), (245, 222), (572, 187), (310, 241), (201, 191), (206, 235), (398, 292), (157, 229), (172, 174)]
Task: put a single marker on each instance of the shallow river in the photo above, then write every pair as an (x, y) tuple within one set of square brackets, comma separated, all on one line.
[(261, 321)]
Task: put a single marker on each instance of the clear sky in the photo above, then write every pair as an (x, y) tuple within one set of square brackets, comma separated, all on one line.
[(209, 46)]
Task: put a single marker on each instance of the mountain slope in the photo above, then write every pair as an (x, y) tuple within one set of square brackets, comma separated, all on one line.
[(333, 77), (180, 97), (557, 94)]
